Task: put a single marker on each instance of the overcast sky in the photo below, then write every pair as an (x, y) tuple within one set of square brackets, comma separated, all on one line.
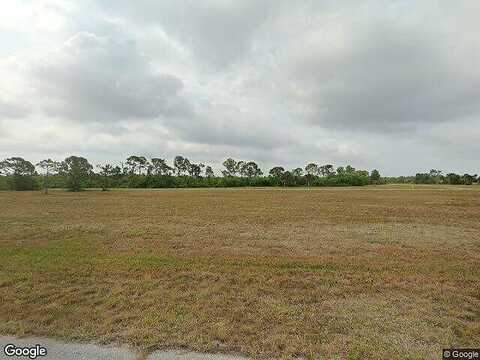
[(393, 85)]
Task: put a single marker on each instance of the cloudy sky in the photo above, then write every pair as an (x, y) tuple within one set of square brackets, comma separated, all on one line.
[(393, 85)]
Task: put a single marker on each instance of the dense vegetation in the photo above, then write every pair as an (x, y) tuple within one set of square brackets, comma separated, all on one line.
[(76, 173), (435, 177)]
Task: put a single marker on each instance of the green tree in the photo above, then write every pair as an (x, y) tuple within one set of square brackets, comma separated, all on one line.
[(106, 171), (297, 172), (326, 170), (436, 176), (20, 173), (160, 167), (180, 164), (230, 167), (78, 170), (287, 178), (312, 171), (276, 171), (468, 179), (375, 176), (251, 169), (49, 168), (453, 179), (240, 168), (137, 164), (195, 170), (209, 172), (349, 169)]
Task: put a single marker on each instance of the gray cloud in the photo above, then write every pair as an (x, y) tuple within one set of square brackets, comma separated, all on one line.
[(219, 33), (389, 79), (370, 83), (96, 78)]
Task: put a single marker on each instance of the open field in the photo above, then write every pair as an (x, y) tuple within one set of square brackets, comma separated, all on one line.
[(373, 272)]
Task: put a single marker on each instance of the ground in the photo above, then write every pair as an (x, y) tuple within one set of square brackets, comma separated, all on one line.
[(372, 272)]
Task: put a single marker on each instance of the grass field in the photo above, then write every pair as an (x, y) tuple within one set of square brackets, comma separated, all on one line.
[(373, 272)]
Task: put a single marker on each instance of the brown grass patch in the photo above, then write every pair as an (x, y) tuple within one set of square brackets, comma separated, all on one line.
[(382, 272)]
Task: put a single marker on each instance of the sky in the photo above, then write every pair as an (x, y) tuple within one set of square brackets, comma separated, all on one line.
[(392, 85)]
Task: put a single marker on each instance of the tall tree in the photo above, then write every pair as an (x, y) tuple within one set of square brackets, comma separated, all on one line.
[(276, 172), (106, 171), (137, 164), (17, 166), (240, 168), (453, 179), (297, 172), (209, 172), (311, 170), (160, 167), (251, 169), (436, 176), (287, 178), (349, 169), (230, 167), (326, 170), (180, 164), (49, 168), (468, 179), (20, 171), (78, 170), (195, 170), (375, 176)]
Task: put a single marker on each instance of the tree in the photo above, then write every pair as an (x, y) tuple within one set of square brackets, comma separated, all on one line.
[(251, 169), (453, 179), (209, 172), (326, 170), (194, 170), (21, 173), (117, 172), (349, 169), (180, 164), (436, 176), (375, 176), (311, 170), (240, 168), (297, 172), (137, 164), (17, 166), (78, 170), (468, 179), (276, 171), (287, 178), (106, 171), (49, 167), (230, 167), (160, 167)]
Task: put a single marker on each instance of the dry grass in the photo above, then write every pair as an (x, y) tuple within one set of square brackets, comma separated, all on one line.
[(383, 272)]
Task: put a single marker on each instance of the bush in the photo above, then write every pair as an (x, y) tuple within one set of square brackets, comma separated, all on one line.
[(22, 182)]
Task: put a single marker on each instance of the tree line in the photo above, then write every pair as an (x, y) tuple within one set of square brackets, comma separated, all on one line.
[(435, 176), (76, 173)]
